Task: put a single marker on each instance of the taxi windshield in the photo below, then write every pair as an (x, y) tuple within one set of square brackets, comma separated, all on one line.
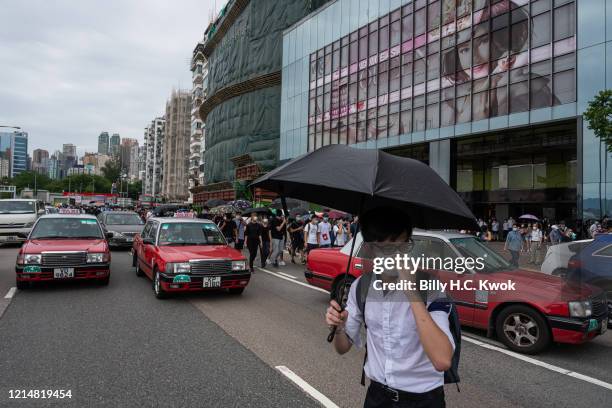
[(472, 248), (123, 219), (16, 207), (66, 228), (190, 233)]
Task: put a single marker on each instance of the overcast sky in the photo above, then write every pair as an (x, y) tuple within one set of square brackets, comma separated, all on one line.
[(70, 69)]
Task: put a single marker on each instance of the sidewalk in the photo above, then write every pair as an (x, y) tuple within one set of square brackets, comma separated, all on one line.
[(498, 247)]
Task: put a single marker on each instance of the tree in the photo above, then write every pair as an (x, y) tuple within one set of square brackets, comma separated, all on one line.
[(111, 170), (31, 179), (599, 118)]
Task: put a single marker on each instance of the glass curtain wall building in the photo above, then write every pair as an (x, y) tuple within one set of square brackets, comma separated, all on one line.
[(488, 93)]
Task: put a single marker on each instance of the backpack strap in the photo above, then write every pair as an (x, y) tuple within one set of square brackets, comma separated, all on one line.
[(361, 294)]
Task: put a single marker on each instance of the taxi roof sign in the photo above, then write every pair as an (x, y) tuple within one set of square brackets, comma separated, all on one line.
[(184, 214), (69, 211)]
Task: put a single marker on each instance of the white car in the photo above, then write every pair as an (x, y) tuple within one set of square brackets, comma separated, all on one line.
[(557, 256)]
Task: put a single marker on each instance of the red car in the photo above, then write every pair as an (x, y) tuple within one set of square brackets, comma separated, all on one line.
[(184, 255), (541, 309), (64, 247)]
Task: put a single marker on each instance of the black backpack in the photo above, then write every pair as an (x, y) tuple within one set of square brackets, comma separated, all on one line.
[(451, 376)]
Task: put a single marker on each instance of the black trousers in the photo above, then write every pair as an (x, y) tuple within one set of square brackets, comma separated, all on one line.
[(253, 248), (378, 397)]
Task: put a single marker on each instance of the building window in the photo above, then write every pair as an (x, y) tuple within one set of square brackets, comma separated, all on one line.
[(474, 59)]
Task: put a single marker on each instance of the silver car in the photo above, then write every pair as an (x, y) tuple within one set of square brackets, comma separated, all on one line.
[(123, 224)]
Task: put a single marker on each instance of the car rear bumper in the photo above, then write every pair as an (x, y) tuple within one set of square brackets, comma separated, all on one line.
[(101, 271), (230, 281), (577, 330), (120, 243)]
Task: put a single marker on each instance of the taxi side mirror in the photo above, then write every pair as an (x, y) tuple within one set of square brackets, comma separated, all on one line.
[(109, 235)]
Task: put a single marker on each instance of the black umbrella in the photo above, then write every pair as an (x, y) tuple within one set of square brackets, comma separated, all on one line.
[(354, 180), (258, 210), (215, 202), (291, 203)]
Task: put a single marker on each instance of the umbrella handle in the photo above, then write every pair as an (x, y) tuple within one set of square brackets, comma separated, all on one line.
[(332, 334)]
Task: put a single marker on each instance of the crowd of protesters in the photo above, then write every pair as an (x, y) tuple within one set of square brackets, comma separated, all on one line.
[(268, 234)]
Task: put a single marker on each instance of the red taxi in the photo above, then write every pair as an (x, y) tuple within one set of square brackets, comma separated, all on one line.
[(541, 308), (183, 254), (64, 247)]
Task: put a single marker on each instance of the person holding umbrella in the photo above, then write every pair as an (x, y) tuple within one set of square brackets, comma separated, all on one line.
[(409, 342), (390, 195)]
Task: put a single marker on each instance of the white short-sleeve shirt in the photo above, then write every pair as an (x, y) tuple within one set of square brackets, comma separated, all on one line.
[(395, 355)]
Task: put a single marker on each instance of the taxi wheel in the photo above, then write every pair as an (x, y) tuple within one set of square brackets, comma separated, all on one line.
[(236, 291), (523, 329), (139, 271), (157, 289)]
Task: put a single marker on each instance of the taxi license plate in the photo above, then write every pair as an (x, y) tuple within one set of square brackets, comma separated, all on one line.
[(61, 273), (604, 326), (11, 238), (211, 282)]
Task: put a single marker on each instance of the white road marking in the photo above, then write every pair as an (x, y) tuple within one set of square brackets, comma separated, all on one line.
[(308, 389), (10, 293), (539, 363), (293, 280), (287, 275)]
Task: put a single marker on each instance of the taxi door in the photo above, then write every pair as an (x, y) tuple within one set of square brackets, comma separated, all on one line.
[(434, 248)]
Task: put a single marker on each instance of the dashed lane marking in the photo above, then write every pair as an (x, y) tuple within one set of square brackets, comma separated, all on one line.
[(293, 280), (307, 388), (539, 363)]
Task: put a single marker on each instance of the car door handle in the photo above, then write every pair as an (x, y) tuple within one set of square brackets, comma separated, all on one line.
[(358, 266)]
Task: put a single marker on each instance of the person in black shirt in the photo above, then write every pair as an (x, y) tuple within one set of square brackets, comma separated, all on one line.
[(228, 228), (279, 231), (266, 237), (252, 236), (296, 232)]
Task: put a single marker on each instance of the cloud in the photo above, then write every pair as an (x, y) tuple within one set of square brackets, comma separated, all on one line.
[(72, 69)]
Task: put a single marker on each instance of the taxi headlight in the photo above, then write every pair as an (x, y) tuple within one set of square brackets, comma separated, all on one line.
[(95, 257), (32, 259), (178, 267), (581, 308), (238, 265)]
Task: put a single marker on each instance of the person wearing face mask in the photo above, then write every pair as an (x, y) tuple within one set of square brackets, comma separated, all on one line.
[(240, 226), (266, 238), (514, 244), (252, 234), (311, 235), (535, 244), (325, 232)]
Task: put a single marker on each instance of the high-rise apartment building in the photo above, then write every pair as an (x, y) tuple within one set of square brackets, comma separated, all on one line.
[(103, 143), (125, 153), (176, 146), (14, 148), (154, 161), (199, 69), (115, 142), (69, 150), (40, 158)]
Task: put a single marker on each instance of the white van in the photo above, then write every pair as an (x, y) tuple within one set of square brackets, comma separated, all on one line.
[(17, 216)]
